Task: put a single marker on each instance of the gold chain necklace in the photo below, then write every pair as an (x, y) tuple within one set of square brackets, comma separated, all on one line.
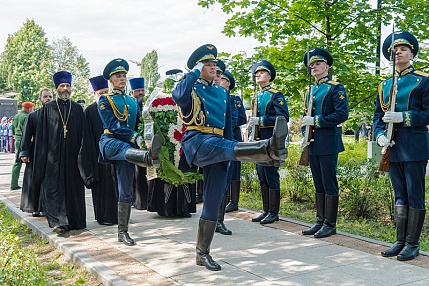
[(62, 119)]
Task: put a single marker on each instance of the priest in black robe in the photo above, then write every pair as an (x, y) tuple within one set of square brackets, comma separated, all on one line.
[(100, 178), (30, 190), (57, 146)]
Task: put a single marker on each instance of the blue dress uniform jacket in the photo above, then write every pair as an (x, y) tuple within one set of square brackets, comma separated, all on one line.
[(271, 103), (411, 136), (330, 108), (202, 105), (241, 118), (110, 107)]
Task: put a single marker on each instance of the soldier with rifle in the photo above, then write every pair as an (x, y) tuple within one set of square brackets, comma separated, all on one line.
[(409, 144), (270, 103), (329, 109)]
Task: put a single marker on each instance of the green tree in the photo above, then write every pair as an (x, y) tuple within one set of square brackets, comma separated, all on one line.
[(349, 29), (24, 62), (66, 56), (149, 70)]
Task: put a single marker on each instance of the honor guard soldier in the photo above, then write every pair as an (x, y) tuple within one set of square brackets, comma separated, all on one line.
[(409, 147), (120, 142), (330, 109), (207, 143), (271, 104)]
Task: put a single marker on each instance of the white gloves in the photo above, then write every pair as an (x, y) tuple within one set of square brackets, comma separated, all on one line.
[(382, 141), (391, 116), (254, 121), (139, 141), (305, 144), (198, 66), (307, 120)]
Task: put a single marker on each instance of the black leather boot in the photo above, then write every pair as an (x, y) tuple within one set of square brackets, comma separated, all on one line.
[(145, 158), (220, 226), (401, 230), (265, 198), (124, 212), (320, 215), (206, 229), (269, 152), (274, 207), (235, 197), (331, 211), (416, 219), (200, 187)]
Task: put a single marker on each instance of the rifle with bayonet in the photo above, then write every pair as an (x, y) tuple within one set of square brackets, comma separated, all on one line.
[(385, 159)]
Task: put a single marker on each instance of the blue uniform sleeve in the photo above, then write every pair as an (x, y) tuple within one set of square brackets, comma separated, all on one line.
[(419, 114), (340, 106), (280, 107), (234, 111), (379, 125), (242, 118), (182, 92), (112, 124)]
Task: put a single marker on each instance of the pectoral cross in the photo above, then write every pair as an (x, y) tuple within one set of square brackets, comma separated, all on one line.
[(65, 131)]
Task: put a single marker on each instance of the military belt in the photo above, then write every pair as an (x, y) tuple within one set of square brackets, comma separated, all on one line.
[(205, 129)]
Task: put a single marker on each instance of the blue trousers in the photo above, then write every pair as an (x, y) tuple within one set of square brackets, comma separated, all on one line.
[(324, 171), (115, 149), (408, 181), (268, 176), (215, 179)]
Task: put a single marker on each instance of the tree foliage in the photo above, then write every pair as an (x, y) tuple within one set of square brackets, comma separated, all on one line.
[(149, 70), (348, 29), (25, 60)]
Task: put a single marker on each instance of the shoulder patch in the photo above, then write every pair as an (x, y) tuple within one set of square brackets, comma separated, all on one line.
[(422, 73), (281, 101), (101, 106), (333, 82)]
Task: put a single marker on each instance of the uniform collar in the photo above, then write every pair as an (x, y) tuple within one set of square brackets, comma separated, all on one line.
[(265, 88), (117, 91), (205, 82), (408, 70), (323, 79)]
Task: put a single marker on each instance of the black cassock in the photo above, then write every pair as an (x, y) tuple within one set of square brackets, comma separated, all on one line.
[(30, 190), (56, 164), (100, 178)]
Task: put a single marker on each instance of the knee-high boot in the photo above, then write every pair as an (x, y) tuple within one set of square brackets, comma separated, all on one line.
[(401, 230), (200, 187), (145, 158), (320, 215), (124, 212), (206, 229), (220, 226), (416, 219), (274, 207), (265, 197), (235, 197), (270, 152), (329, 226)]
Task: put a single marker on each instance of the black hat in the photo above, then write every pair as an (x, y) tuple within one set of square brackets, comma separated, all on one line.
[(229, 77), (264, 66), (98, 82), (115, 66), (62, 77), (136, 83), (318, 55), (400, 38), (202, 54), (220, 66), (173, 71)]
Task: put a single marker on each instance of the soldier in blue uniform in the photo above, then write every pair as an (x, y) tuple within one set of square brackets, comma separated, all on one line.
[(330, 109), (228, 82), (120, 142), (271, 104), (409, 150), (205, 110)]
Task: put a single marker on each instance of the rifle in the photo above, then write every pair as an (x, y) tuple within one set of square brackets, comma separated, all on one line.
[(254, 135), (385, 159), (303, 160)]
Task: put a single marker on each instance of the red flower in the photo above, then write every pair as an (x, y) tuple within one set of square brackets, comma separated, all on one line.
[(163, 101)]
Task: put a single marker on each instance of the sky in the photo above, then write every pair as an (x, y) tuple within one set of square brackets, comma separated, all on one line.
[(128, 29)]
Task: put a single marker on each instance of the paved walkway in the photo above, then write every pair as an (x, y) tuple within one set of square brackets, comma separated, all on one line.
[(253, 255)]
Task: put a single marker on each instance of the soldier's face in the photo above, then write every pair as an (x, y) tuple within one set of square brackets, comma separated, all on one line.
[(218, 77), (46, 96), (209, 71), (119, 80), (262, 77), (225, 83), (403, 54), (319, 69), (64, 91)]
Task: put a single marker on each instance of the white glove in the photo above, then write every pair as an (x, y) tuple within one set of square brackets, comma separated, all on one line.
[(139, 141), (391, 116), (382, 141), (198, 66), (304, 144), (254, 121), (307, 120)]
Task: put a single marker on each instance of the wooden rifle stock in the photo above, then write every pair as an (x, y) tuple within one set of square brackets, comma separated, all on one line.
[(385, 161), (303, 160)]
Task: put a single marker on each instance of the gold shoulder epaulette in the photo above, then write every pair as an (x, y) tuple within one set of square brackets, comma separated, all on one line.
[(421, 73), (273, 90), (333, 82)]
